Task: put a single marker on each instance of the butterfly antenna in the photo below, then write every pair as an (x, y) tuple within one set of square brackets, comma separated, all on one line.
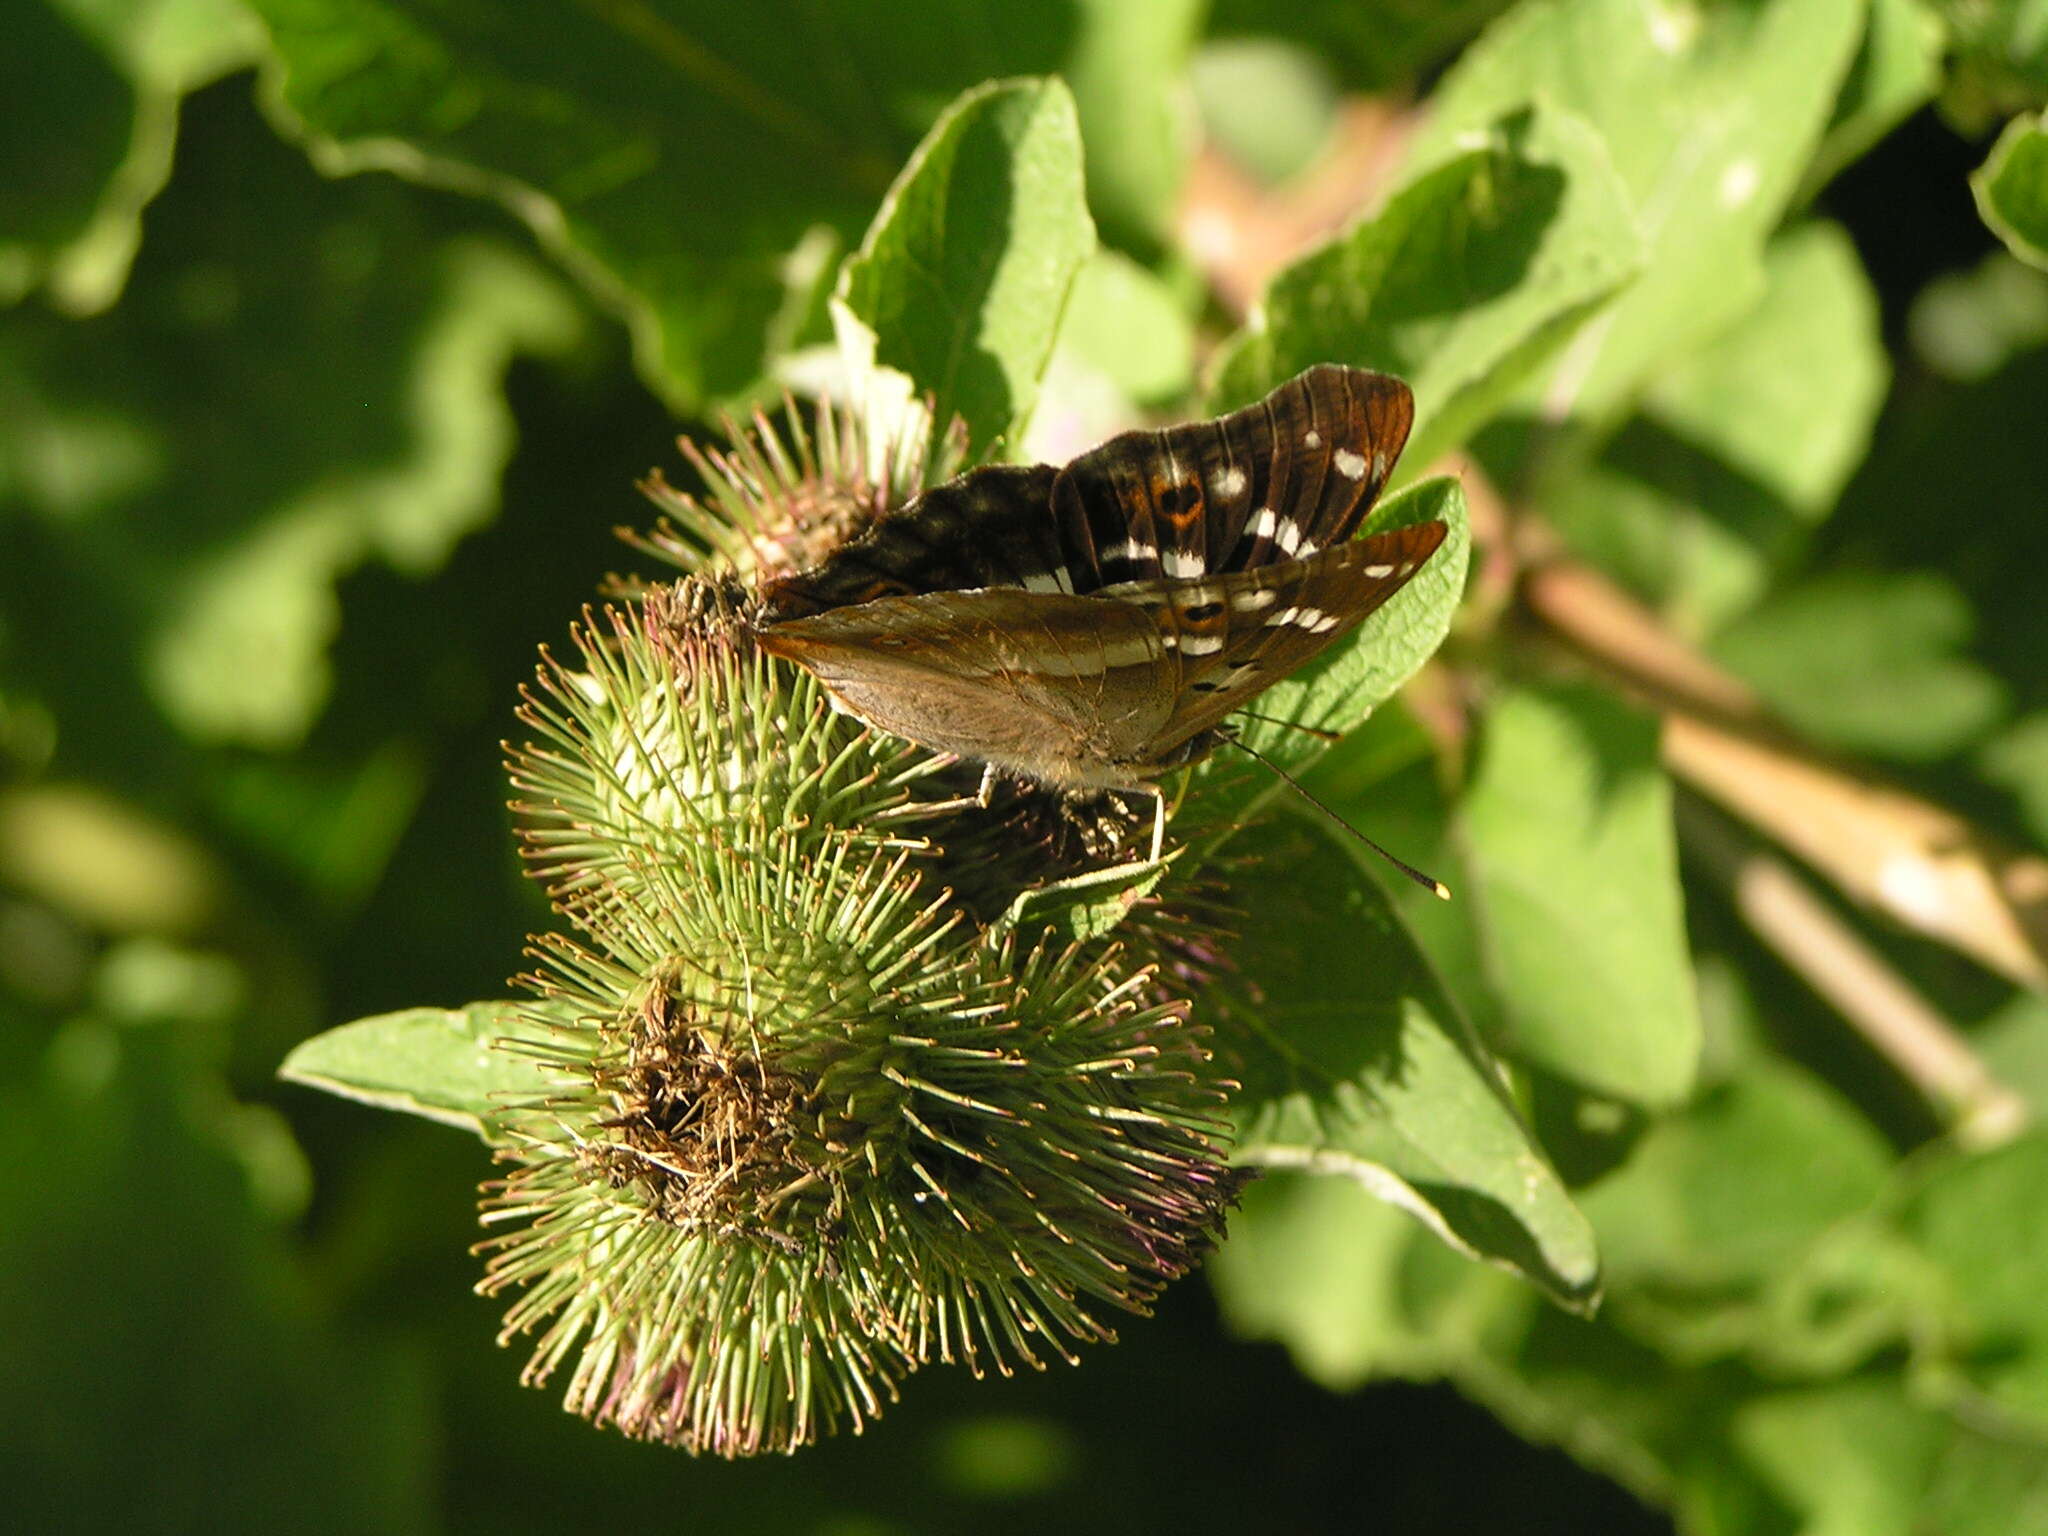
[(1429, 883), (1292, 725)]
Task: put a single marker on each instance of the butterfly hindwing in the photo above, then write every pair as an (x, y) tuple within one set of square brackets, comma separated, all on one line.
[(1294, 473), (1056, 687), (988, 528), (1291, 474)]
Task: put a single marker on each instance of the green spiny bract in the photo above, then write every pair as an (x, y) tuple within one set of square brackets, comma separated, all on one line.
[(806, 1123)]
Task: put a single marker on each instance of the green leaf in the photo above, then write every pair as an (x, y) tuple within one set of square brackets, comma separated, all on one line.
[(1125, 341), (1473, 273), (1701, 1208), (1997, 61), (1315, 1264), (2013, 1040), (68, 120), (1743, 446), (1125, 323), (966, 269), (1083, 907), (357, 340), (447, 1064), (135, 1229), (673, 151), (1355, 1062), (1407, 809), (1377, 45), (1981, 1220), (1127, 71), (1869, 661), (1711, 115), (2017, 760), (2011, 188), (93, 91), (1340, 690), (1573, 878), (1968, 324), (1266, 104), (1850, 1457), (1893, 75)]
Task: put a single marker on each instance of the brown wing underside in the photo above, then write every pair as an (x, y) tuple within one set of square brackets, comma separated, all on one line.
[(1096, 689), (1274, 620), (1055, 686)]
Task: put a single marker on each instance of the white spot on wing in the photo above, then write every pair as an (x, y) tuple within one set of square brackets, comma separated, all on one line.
[(1180, 562), (1379, 465), (1228, 482), (1201, 645), (1252, 600), (1131, 550), (1350, 465), (1287, 535), (1284, 616), (1376, 572), (1311, 438)]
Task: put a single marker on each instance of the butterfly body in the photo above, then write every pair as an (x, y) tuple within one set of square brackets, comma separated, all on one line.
[(1089, 628)]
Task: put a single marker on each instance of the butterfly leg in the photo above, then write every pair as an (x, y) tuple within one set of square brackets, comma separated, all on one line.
[(1158, 822), (982, 798)]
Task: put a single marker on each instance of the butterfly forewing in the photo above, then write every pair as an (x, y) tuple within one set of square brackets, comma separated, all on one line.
[(1234, 636)]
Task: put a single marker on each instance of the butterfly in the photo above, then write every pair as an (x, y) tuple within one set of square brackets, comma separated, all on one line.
[(1090, 627)]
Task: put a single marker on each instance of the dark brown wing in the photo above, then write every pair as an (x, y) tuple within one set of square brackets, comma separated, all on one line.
[(1294, 473), (988, 528)]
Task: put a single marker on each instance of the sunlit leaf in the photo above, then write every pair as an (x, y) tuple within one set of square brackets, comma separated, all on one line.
[(447, 1064), (1741, 447), (1869, 661), (303, 378), (1710, 115), (1471, 275), (2012, 189), (965, 271), (1566, 826), (1356, 1063)]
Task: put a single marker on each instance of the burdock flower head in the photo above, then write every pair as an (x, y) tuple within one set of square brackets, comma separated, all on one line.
[(804, 1119)]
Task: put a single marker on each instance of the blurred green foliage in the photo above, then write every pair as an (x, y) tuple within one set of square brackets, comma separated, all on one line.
[(336, 332)]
